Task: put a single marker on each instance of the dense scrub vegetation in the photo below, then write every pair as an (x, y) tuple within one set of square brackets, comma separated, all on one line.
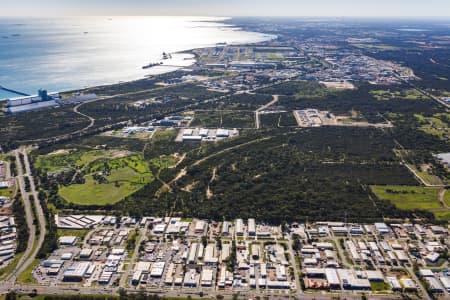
[(21, 223), (316, 174)]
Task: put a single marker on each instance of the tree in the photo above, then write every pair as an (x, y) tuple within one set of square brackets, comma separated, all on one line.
[(123, 294), (218, 243)]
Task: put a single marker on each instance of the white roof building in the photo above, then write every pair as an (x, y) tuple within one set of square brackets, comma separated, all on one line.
[(210, 255), (157, 269), (67, 240), (251, 227), (76, 271), (239, 227), (206, 277), (332, 277)]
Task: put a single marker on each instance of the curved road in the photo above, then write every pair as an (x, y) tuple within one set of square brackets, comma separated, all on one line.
[(257, 121), (65, 135)]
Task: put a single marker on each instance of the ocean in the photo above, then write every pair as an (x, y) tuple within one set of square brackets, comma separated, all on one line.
[(70, 53)]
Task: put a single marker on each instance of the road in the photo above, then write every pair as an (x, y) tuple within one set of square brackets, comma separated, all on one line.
[(439, 101), (126, 275), (294, 266), (441, 198), (28, 216), (58, 290), (264, 107), (66, 135), (419, 177), (30, 252), (37, 205)]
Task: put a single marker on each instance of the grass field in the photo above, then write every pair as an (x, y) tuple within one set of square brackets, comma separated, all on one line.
[(381, 47), (379, 286), (427, 177), (437, 125), (72, 232), (163, 162), (26, 277), (407, 94), (6, 192), (10, 267), (66, 160), (447, 197), (164, 135), (409, 197), (445, 215), (119, 178)]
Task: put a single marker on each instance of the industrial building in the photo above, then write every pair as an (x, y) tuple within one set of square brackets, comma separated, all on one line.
[(239, 227), (226, 225), (67, 240), (77, 271), (200, 227), (29, 103), (206, 278), (210, 255), (251, 227), (157, 269)]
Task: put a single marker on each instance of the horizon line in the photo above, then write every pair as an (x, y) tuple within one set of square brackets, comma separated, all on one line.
[(233, 16)]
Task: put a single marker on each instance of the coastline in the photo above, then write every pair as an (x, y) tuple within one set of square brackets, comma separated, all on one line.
[(95, 79), (188, 51)]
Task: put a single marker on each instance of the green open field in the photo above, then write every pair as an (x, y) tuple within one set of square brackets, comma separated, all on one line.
[(164, 135), (381, 47), (437, 125), (409, 197), (10, 267), (109, 181), (406, 94), (379, 286), (67, 159), (445, 215), (425, 175), (26, 277), (6, 192), (80, 233)]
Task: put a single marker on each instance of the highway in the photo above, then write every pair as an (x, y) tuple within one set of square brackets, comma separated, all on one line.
[(31, 251), (37, 205), (194, 293), (28, 216)]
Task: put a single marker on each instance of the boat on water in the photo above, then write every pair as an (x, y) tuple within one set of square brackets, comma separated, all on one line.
[(150, 65), (166, 55)]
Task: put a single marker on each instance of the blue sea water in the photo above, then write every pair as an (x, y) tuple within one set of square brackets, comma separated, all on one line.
[(63, 54)]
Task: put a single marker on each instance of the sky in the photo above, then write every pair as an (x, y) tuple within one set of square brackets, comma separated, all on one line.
[(370, 8)]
